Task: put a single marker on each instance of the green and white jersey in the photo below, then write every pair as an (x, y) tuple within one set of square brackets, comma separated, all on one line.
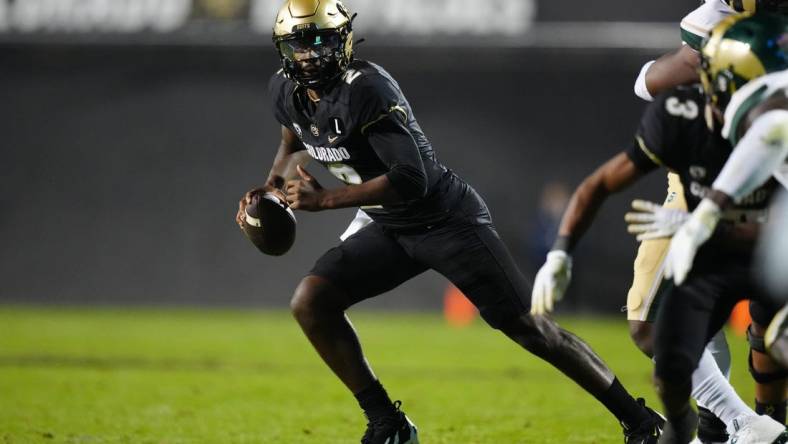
[(696, 25), (748, 97)]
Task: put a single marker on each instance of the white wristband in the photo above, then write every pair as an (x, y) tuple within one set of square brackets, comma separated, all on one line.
[(640, 84)]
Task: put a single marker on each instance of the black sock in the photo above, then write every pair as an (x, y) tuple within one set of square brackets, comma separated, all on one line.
[(375, 401), (776, 411), (629, 412)]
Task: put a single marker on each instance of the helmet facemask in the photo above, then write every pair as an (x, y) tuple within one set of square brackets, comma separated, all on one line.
[(718, 85), (315, 58)]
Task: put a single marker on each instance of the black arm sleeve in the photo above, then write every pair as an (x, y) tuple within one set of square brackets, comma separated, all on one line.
[(395, 147), (278, 90), (377, 103)]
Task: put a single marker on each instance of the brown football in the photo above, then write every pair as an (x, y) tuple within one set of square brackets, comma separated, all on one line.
[(270, 224)]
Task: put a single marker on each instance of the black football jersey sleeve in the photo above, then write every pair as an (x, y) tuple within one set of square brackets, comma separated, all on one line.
[(373, 98), (673, 133), (670, 125), (279, 89)]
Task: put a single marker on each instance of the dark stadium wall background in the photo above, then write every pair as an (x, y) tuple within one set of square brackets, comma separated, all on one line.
[(121, 168), (236, 21)]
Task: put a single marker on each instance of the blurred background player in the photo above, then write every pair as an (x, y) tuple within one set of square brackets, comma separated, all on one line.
[(677, 68), (673, 69), (351, 116), (740, 50), (673, 133)]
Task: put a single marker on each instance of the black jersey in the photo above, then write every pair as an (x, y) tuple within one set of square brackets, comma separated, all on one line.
[(336, 131), (673, 133)]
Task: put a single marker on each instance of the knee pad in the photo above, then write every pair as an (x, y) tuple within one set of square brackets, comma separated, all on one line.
[(757, 344)]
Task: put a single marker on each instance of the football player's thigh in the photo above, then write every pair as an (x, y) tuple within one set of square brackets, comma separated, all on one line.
[(647, 284), (477, 262), (367, 264), (689, 316)]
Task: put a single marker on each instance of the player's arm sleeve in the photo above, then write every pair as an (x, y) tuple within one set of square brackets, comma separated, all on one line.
[(385, 126), (649, 150), (757, 156), (277, 90)]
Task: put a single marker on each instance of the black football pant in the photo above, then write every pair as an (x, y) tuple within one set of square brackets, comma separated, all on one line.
[(465, 248), (696, 310)]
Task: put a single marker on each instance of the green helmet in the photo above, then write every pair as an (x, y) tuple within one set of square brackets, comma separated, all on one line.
[(741, 48), (778, 6)]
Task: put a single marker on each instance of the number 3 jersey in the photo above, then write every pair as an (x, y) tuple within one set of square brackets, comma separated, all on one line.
[(673, 133), (363, 127)]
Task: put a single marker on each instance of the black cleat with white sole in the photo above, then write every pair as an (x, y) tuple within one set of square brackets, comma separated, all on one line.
[(649, 431), (392, 429)]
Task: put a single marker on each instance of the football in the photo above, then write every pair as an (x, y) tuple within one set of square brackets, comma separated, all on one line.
[(270, 224)]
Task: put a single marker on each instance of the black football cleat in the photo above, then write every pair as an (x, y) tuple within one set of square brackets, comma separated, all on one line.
[(647, 432), (392, 429)]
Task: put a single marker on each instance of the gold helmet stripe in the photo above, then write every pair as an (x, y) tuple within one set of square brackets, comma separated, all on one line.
[(737, 56), (316, 14), (303, 8), (749, 5)]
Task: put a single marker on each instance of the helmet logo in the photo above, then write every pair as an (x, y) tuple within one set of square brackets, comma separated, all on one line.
[(315, 131)]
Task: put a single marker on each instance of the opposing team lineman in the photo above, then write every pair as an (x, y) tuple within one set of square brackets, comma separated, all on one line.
[(351, 116), (738, 53)]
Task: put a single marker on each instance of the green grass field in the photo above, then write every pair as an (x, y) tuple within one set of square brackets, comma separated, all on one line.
[(189, 376)]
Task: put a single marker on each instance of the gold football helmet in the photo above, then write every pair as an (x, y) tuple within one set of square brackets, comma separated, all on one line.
[(739, 49), (314, 39)]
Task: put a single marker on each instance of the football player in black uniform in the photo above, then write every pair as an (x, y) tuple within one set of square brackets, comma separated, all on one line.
[(673, 134), (678, 68), (351, 117)]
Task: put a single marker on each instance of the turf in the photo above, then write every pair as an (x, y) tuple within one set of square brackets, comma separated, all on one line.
[(190, 376)]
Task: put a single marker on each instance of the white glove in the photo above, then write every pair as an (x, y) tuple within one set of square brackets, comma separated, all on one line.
[(689, 238), (551, 282), (653, 221)]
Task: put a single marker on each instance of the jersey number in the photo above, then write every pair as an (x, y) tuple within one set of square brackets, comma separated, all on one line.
[(687, 110), (347, 174)]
